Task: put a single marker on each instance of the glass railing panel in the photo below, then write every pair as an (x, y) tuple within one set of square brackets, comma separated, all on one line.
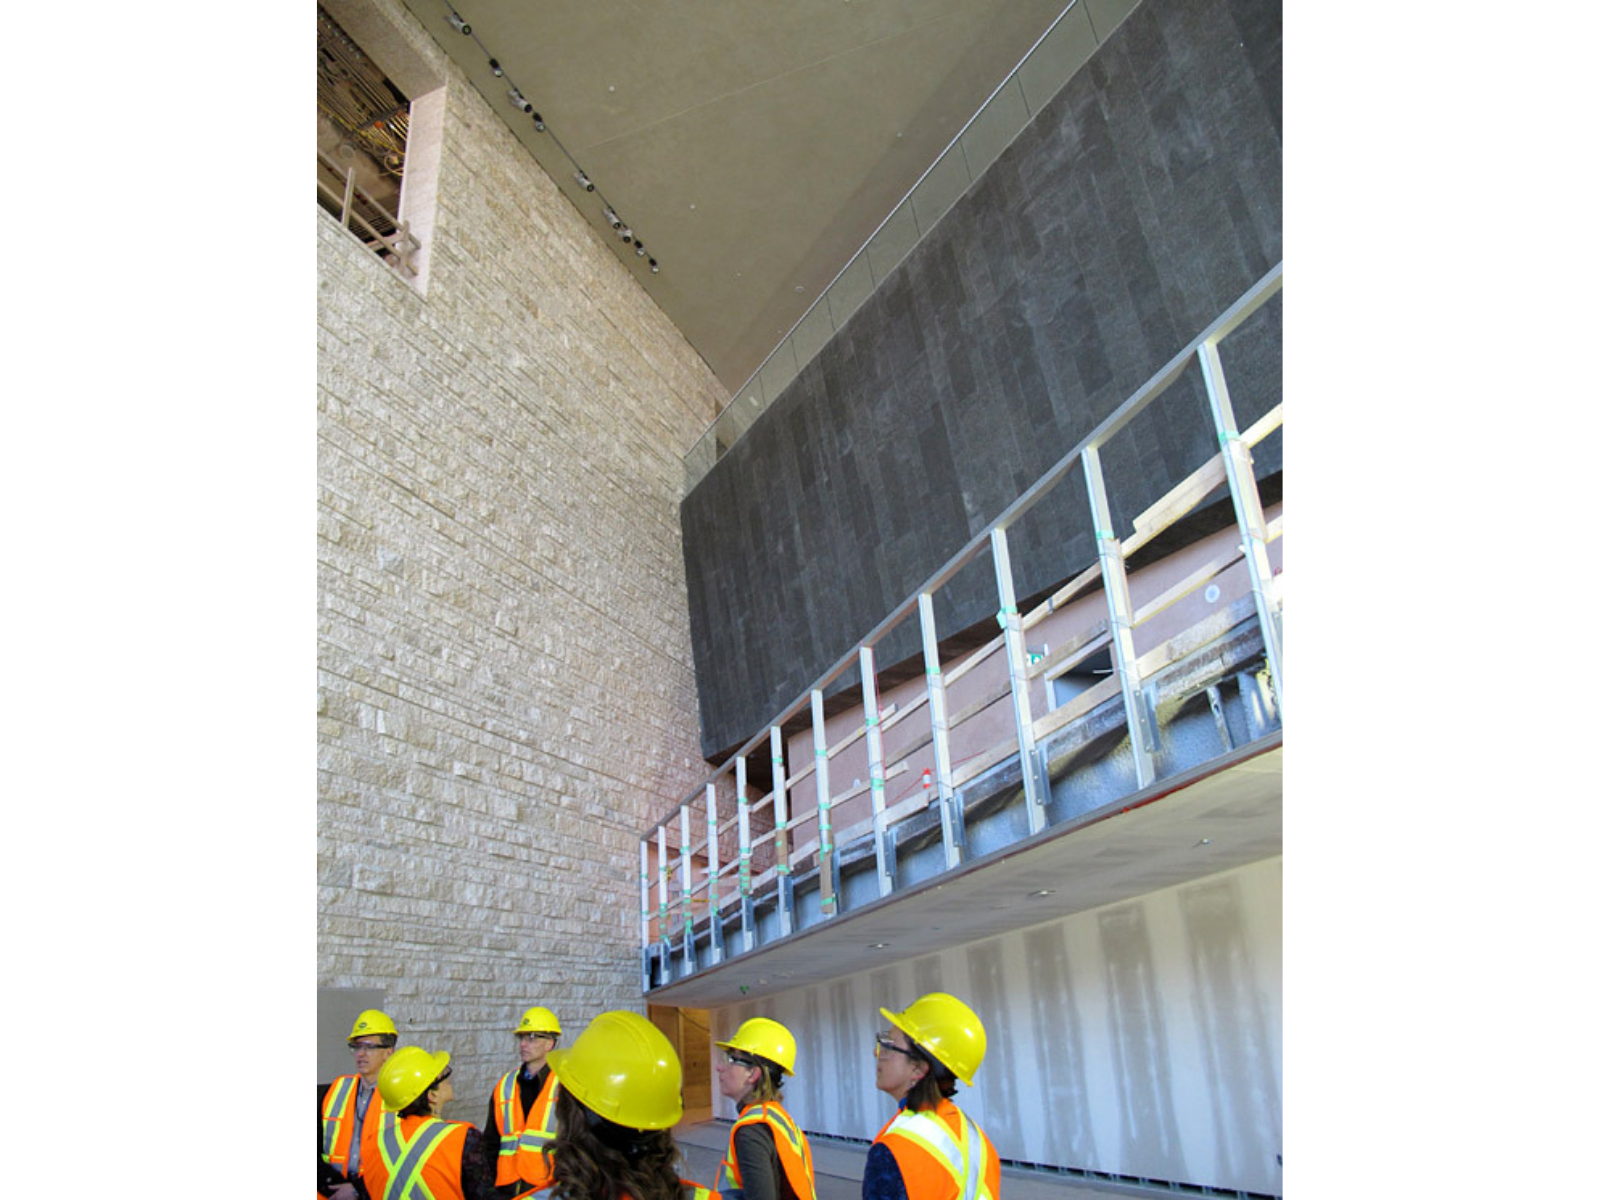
[(941, 187), (892, 242), (812, 334), (1057, 57), (850, 291), (995, 128)]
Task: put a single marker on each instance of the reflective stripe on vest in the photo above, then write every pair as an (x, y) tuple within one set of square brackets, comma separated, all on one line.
[(776, 1118), (335, 1108), (962, 1157), (405, 1181), (506, 1094), (534, 1139)]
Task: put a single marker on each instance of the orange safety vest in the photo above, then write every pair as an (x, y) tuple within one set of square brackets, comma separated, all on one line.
[(338, 1121), (523, 1139), (418, 1158), (696, 1192), (794, 1152), (942, 1155)]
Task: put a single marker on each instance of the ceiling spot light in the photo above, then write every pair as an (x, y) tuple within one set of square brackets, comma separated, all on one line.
[(638, 248), (614, 220), (625, 233), (583, 181), (538, 123), (878, 946), (1201, 842), (521, 101), (458, 24), (496, 68), (655, 268), (1043, 892)]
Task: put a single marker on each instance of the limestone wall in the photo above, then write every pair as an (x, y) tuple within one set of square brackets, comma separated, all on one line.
[(505, 693)]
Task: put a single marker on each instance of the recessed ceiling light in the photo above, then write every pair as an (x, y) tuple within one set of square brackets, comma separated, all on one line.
[(1201, 842), (878, 946), (1043, 892)]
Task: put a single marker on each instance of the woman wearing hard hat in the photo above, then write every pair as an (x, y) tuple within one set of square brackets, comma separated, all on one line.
[(413, 1146), (931, 1150), (621, 1093), (768, 1155)]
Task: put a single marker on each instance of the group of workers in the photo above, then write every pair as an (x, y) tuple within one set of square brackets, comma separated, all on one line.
[(594, 1122)]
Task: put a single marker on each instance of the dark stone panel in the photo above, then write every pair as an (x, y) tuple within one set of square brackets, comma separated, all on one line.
[(1142, 201)]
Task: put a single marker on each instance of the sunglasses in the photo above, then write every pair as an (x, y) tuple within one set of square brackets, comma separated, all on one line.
[(882, 1043)]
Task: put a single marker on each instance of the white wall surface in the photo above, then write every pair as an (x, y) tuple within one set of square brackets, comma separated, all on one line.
[(1143, 1038)]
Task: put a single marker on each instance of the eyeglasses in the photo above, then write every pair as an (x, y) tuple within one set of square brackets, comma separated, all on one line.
[(358, 1047), (739, 1060), (443, 1075), (528, 1037), (882, 1042)]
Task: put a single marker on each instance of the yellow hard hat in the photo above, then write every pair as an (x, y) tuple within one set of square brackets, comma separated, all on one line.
[(765, 1038), (947, 1029), (409, 1072), (372, 1022), (538, 1020), (623, 1068)]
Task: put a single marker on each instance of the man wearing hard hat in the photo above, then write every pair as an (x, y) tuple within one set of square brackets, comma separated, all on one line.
[(522, 1110), (349, 1106)]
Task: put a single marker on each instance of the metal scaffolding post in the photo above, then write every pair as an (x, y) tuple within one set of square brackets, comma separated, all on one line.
[(1240, 466), (1035, 789), (1113, 574), (869, 708), (747, 904), (713, 872), (686, 882), (950, 823), (780, 836), (825, 863)]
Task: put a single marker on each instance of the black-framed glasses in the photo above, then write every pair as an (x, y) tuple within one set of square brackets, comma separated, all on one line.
[(882, 1042), (443, 1075), (358, 1047), (549, 1037)]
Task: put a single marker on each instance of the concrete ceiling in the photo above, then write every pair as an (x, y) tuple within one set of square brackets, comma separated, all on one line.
[(753, 146), (1224, 814)]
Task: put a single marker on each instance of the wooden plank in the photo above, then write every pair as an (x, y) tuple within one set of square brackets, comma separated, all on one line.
[(1082, 644), (911, 706), (1213, 566), (974, 767), (1202, 633), (860, 731), (1069, 712), (1071, 589), (978, 706), (972, 660)]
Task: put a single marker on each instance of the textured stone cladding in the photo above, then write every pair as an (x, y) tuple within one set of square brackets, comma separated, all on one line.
[(1141, 202), (505, 689)]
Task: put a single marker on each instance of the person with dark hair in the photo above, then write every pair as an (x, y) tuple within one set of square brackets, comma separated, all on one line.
[(415, 1153), (931, 1150), (768, 1157), (621, 1093), (349, 1106), (522, 1111)]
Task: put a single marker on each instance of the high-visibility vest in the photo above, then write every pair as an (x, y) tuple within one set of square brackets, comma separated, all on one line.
[(695, 1191), (942, 1155), (339, 1121), (794, 1152), (522, 1141), (419, 1158)]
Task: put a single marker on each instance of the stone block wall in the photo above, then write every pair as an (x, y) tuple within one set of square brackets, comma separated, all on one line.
[(505, 690)]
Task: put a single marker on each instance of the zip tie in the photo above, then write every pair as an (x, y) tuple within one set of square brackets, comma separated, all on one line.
[(1009, 609), (934, 674), (1104, 535), (1225, 437), (877, 785), (819, 754), (872, 720), (782, 870)]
